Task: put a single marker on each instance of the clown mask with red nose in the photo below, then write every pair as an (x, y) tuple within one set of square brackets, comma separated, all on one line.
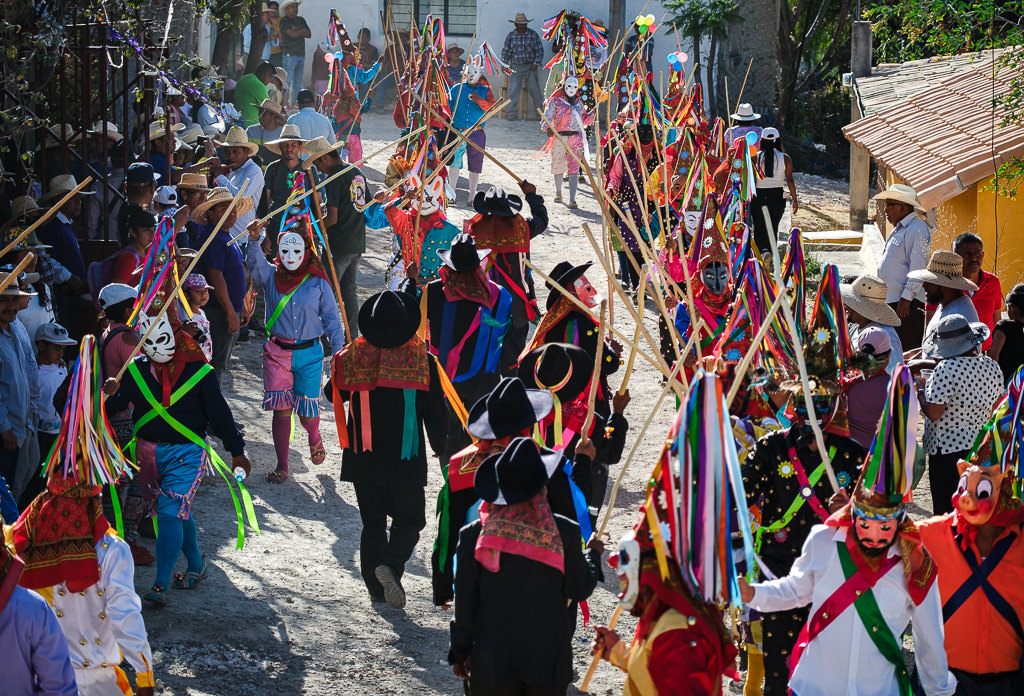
[(291, 250)]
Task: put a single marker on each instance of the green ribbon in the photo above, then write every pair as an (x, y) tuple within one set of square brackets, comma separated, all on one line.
[(410, 438), (877, 629), (157, 409), (115, 503), (794, 507), (281, 303), (443, 514)]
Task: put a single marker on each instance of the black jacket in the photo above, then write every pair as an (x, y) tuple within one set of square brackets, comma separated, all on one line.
[(513, 622)]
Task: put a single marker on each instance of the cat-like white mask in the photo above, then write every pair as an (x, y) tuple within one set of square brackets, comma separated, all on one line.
[(159, 344)]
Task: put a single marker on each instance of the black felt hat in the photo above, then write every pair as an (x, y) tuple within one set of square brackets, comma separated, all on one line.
[(463, 254), (518, 473), (565, 274), (509, 409), (389, 319), (494, 201), (562, 368)]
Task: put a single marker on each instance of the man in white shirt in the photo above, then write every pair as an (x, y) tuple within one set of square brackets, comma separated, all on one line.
[(238, 152), (867, 576), (311, 124), (946, 288), (906, 250)]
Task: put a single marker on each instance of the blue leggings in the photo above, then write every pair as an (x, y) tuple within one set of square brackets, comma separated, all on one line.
[(176, 536)]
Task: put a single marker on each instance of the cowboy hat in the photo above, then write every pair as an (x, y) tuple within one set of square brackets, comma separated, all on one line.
[(289, 134), (562, 368), (112, 132), (494, 201), (288, 3), (237, 137), (520, 19), (23, 207), (901, 193), (745, 112), (191, 135), (509, 409), (158, 129), (59, 132), (389, 319), (565, 274), (220, 195), (517, 474), (60, 185), (282, 75), (866, 296), (13, 289), (452, 46), (194, 182), (463, 254), (954, 336), (271, 106), (316, 148), (945, 268)]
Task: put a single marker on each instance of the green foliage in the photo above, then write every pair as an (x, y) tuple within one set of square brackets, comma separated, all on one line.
[(913, 29), (697, 19)]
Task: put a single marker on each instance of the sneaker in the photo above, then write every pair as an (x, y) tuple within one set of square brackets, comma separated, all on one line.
[(140, 554), (394, 593)]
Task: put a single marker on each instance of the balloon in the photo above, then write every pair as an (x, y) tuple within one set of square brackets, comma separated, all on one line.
[(329, 58), (677, 67), (642, 28), (683, 57), (672, 59), (751, 138), (651, 28), (649, 19)]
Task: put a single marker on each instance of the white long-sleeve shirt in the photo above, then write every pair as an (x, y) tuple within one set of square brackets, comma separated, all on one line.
[(907, 249), (842, 658), (233, 182), (104, 622)]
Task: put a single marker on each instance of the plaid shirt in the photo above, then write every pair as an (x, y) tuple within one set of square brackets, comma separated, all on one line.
[(522, 49), (51, 271)]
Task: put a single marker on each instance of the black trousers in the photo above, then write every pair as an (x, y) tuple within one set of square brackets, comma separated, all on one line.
[(911, 329), (943, 478), (771, 200), (479, 688), (779, 631), (404, 503)]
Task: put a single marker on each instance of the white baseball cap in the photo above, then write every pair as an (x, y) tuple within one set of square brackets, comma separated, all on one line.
[(166, 195), (116, 293)]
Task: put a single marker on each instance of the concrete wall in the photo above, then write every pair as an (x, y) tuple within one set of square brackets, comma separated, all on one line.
[(756, 37)]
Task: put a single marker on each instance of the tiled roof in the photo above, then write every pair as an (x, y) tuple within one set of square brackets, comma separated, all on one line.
[(945, 137), (890, 83)]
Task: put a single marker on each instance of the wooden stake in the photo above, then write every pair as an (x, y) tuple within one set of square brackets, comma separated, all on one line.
[(641, 301), (13, 275), (741, 367), (595, 378), (597, 658)]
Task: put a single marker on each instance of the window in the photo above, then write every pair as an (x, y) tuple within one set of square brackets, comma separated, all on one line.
[(459, 16)]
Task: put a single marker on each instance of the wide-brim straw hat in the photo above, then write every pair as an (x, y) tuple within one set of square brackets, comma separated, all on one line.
[(901, 193), (61, 185), (191, 135), (61, 131), (13, 290), (220, 195), (288, 3), (273, 107), (520, 18), (194, 182), (452, 46), (316, 148), (944, 268), (289, 134), (954, 336), (282, 75), (23, 207), (745, 112), (112, 132), (866, 296), (237, 137), (159, 130)]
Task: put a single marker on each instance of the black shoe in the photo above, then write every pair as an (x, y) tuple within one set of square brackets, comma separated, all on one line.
[(377, 599), (243, 335), (146, 529), (394, 593)]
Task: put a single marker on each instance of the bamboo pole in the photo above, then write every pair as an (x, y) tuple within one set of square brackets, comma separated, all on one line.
[(50, 212), (181, 281), (597, 658), (318, 211), (641, 301), (13, 275), (595, 377), (742, 87), (741, 367)]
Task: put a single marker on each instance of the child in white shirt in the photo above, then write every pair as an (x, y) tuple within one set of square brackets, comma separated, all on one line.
[(51, 340), (197, 290)]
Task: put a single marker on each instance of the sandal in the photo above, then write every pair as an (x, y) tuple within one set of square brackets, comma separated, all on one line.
[(317, 452), (557, 199), (156, 596), (191, 578), (571, 205), (276, 476)]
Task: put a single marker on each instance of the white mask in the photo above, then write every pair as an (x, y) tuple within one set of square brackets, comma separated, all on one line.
[(474, 70), (291, 249), (691, 218), (159, 345), (626, 563), (432, 194), (571, 86)]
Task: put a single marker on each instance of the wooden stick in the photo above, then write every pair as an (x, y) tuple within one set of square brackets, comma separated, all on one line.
[(171, 297), (13, 275), (597, 658), (742, 87), (45, 216), (801, 365), (318, 211), (641, 301), (741, 367), (636, 446), (595, 377)]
